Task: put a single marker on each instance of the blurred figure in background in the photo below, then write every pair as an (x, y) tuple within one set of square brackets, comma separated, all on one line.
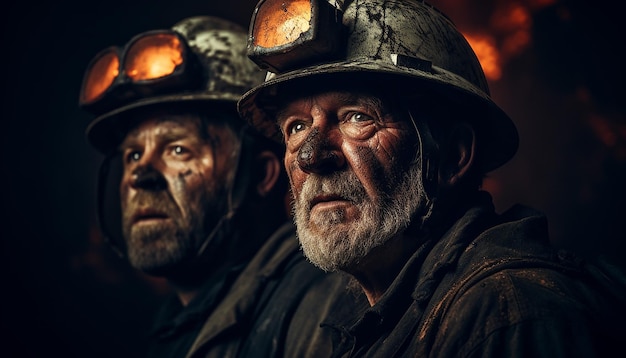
[(189, 192)]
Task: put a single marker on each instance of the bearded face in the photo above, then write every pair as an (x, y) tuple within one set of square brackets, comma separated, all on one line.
[(161, 231), (173, 189), (355, 184), (327, 240)]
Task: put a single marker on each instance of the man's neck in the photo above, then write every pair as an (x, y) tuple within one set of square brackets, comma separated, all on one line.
[(381, 266), (186, 290), (186, 296)]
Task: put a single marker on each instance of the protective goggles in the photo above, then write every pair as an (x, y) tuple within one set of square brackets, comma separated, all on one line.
[(152, 63), (285, 34)]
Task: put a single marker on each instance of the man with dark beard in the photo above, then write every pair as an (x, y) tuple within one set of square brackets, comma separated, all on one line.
[(389, 130), (191, 193)]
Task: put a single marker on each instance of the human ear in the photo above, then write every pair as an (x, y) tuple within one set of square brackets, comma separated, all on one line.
[(269, 167), (457, 156)]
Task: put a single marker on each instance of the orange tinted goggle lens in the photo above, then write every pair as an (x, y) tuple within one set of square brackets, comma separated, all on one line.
[(101, 75), (281, 22), (153, 57)]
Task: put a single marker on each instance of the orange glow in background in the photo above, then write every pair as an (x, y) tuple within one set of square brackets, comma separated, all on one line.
[(572, 128), (487, 53)]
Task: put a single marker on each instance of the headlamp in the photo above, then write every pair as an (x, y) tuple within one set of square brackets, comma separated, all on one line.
[(285, 34), (151, 63)]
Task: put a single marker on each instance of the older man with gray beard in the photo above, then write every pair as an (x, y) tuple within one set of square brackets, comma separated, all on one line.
[(389, 130), (331, 246)]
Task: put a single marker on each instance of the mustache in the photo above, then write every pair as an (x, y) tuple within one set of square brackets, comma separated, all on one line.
[(339, 184), (154, 202)]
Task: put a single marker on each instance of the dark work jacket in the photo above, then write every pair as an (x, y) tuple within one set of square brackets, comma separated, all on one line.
[(175, 327), (264, 301), (490, 287)]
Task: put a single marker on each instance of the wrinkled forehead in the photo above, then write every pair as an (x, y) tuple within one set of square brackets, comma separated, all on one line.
[(347, 95), (177, 124)]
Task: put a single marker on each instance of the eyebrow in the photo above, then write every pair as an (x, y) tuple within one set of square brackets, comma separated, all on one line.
[(170, 135), (349, 98)]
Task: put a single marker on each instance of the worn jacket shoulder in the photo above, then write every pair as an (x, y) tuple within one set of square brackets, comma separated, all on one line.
[(229, 325), (512, 294)]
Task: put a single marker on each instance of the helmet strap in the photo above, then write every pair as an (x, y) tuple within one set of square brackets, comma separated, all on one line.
[(237, 190), (428, 151)]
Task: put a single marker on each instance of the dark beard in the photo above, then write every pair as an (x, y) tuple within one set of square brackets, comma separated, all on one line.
[(155, 250), (162, 248)]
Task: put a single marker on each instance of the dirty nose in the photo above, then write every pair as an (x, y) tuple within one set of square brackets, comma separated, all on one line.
[(318, 155), (148, 178)]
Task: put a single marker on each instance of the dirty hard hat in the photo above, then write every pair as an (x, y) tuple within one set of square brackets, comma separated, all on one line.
[(402, 43), (200, 59)]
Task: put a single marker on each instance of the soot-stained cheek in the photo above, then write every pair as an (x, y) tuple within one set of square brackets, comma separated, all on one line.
[(181, 182), (370, 168)]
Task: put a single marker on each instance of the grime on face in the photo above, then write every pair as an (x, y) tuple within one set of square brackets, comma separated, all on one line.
[(173, 187), (351, 161)]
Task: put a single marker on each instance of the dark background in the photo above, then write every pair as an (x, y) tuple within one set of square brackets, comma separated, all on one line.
[(64, 293)]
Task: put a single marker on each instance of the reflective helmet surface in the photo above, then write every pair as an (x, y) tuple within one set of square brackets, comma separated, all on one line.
[(219, 48), (403, 43)]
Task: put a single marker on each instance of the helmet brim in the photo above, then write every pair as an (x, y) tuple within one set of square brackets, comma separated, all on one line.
[(106, 131), (498, 135)]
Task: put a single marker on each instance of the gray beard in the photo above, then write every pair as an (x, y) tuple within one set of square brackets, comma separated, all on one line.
[(332, 245)]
